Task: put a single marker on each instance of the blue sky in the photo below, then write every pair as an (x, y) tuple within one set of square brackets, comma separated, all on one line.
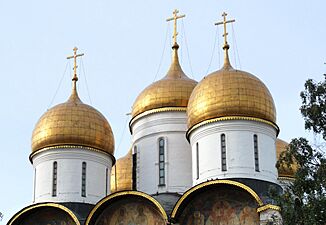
[(281, 42)]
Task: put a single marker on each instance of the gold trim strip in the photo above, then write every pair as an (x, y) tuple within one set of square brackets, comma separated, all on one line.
[(284, 177), (268, 206), (231, 118), (214, 182), (122, 193), (54, 205), (152, 111), (71, 146)]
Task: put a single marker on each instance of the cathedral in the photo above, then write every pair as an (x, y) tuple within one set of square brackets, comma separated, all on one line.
[(202, 153)]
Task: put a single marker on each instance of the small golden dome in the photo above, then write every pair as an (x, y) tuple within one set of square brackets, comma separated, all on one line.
[(172, 91), (230, 93), (73, 123), (121, 175), (284, 170)]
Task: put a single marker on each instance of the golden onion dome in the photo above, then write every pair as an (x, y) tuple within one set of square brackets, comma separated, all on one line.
[(121, 175), (171, 91), (73, 123), (230, 94), (284, 171)]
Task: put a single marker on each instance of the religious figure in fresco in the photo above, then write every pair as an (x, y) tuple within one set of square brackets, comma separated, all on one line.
[(196, 219), (130, 213), (222, 206), (222, 214), (48, 216), (249, 216), (121, 220), (216, 214), (141, 218), (231, 216)]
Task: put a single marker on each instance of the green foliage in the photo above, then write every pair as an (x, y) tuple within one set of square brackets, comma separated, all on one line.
[(304, 201), (313, 106)]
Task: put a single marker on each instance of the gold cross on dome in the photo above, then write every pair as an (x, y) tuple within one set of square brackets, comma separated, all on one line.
[(75, 78), (224, 22), (175, 17)]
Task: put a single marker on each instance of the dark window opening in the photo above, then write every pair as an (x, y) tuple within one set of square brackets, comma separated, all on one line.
[(223, 152), (256, 153), (134, 169), (83, 187), (106, 180), (197, 160), (161, 161), (54, 179)]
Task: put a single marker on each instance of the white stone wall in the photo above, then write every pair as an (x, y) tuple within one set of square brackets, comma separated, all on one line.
[(239, 151), (270, 216), (146, 133), (69, 175), (285, 182)]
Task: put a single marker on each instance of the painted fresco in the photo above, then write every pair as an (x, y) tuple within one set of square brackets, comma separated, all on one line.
[(221, 206), (130, 212), (46, 216)]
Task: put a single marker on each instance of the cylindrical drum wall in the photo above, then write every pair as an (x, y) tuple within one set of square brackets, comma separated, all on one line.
[(71, 175), (234, 149), (162, 155)]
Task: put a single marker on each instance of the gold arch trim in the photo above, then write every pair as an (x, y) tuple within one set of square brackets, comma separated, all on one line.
[(214, 182), (268, 206), (232, 118), (54, 205), (153, 111), (69, 147), (124, 193)]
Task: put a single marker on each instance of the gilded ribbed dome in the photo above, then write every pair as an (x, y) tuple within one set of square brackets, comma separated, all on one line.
[(284, 170), (173, 90), (121, 175), (73, 123), (230, 93)]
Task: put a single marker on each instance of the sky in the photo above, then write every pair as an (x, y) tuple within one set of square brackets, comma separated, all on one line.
[(127, 46)]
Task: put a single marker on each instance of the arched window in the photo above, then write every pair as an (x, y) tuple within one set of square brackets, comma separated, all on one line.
[(223, 152), (83, 181), (256, 153), (54, 179), (197, 160), (161, 147)]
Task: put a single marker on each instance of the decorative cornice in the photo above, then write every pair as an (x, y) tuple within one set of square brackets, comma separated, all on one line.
[(214, 182), (225, 118), (158, 110), (79, 147), (54, 205), (268, 206), (124, 193)]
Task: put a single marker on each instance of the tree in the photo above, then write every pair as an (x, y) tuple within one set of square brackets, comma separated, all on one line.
[(304, 201)]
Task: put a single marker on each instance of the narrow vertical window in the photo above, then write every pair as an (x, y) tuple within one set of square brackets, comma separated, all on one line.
[(161, 161), (223, 152), (134, 169), (106, 180), (256, 153), (54, 179), (83, 186), (197, 160)]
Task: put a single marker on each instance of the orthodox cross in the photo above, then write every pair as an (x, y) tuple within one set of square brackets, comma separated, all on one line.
[(75, 78), (224, 22), (175, 17)]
